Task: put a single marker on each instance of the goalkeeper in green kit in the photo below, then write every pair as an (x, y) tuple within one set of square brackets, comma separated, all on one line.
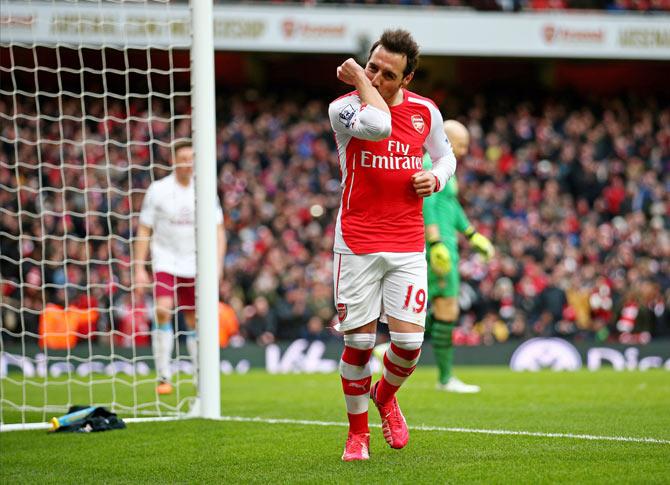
[(444, 219)]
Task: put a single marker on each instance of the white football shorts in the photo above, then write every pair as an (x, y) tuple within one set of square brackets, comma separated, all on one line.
[(368, 287)]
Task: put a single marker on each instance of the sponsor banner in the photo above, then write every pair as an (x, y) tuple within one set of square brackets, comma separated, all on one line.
[(299, 356), (302, 356), (345, 30), (560, 355)]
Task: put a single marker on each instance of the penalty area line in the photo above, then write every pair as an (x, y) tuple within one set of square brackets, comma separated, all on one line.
[(305, 422)]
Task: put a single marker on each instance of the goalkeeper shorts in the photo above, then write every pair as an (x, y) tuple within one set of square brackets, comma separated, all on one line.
[(445, 286)]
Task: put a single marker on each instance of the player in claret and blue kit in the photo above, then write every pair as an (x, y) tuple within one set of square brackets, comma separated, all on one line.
[(167, 228), (379, 272)]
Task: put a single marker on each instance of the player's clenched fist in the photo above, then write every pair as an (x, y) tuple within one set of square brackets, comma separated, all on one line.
[(349, 71), (424, 183), (440, 261)]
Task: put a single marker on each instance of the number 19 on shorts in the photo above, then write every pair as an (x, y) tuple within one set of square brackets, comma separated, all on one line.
[(415, 300)]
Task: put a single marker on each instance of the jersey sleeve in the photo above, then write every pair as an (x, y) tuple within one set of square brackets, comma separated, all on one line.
[(430, 210), (444, 206), (148, 211), (438, 147), (461, 221), (350, 117)]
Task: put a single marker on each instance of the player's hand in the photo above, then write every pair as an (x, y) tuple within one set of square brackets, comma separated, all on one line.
[(424, 183), (142, 280), (440, 261), (482, 245), (350, 71)]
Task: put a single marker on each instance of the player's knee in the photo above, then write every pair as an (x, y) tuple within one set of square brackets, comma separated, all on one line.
[(451, 316), (189, 318), (446, 309), (163, 314), (407, 341), (358, 348)]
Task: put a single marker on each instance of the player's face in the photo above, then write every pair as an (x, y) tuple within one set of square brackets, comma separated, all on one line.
[(183, 162), (385, 71), (460, 145)]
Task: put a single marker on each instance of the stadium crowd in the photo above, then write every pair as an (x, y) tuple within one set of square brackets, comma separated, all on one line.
[(575, 197)]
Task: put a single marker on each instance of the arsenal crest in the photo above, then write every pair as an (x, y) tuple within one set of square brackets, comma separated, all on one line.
[(341, 311), (417, 122)]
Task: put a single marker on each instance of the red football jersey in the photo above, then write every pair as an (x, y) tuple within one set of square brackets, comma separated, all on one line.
[(380, 211)]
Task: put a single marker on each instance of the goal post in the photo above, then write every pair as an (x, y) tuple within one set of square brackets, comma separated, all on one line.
[(204, 144), (93, 96)]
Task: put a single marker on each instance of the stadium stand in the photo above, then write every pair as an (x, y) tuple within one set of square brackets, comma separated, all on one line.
[(575, 196)]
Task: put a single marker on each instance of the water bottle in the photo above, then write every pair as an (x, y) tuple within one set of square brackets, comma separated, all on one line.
[(70, 418)]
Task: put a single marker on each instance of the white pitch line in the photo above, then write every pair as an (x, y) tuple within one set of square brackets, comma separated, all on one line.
[(455, 430), (306, 422)]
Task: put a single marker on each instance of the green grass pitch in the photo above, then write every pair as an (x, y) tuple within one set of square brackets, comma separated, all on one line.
[(598, 404)]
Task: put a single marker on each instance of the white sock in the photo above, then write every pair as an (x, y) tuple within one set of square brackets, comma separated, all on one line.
[(356, 376), (192, 346), (162, 344)]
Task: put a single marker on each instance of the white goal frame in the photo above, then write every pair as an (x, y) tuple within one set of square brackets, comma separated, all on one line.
[(203, 126), (204, 145)]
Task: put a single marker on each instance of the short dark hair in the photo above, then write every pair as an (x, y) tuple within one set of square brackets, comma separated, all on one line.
[(181, 143), (399, 41)]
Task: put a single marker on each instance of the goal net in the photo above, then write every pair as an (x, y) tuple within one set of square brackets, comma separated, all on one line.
[(93, 95)]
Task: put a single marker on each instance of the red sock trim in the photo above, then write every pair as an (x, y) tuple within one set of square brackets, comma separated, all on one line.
[(356, 387), (404, 353), (396, 369), (385, 391), (358, 423), (357, 357)]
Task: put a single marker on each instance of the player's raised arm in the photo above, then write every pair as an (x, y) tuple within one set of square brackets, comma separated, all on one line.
[(364, 114), (349, 116), (353, 74)]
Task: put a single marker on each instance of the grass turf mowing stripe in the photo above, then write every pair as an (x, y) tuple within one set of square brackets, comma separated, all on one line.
[(629, 439)]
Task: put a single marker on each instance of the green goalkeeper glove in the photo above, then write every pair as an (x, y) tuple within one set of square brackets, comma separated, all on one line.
[(440, 261), (481, 243)]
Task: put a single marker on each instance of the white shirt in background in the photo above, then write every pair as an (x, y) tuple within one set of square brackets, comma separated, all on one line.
[(169, 210)]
